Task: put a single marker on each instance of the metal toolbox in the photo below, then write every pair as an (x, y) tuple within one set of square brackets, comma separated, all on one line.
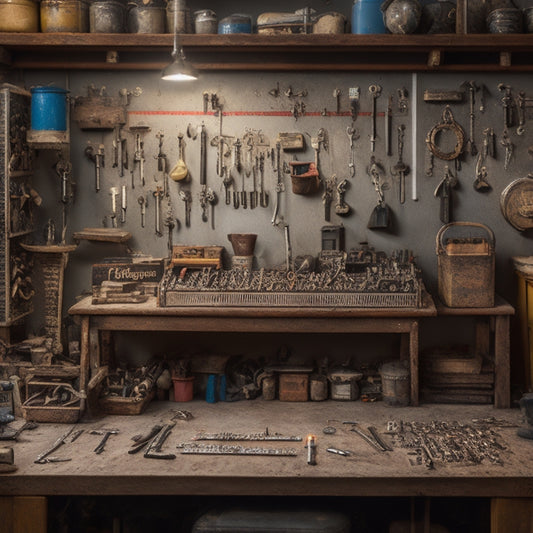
[(466, 267)]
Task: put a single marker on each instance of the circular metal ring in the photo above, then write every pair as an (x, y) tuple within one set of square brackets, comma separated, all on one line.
[(459, 143), (329, 430)]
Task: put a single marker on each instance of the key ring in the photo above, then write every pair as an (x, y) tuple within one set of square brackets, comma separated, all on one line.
[(448, 124)]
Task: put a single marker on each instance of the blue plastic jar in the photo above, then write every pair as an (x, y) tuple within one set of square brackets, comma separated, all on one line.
[(235, 24), (48, 108), (367, 17)]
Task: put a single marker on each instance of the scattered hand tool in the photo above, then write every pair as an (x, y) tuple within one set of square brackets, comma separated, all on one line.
[(337, 451), (142, 440), (114, 192), (157, 195), (123, 204), (444, 190), (341, 207), (153, 451), (373, 438), (380, 216), (375, 93), (280, 186), (472, 88), (186, 197), (138, 156), (8, 434), (142, 202), (97, 157), (352, 136), (401, 169), (44, 457), (106, 434), (234, 449), (507, 105), (327, 196), (388, 127)]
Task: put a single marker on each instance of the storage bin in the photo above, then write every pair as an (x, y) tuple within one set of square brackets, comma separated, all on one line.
[(19, 16), (149, 18), (466, 267), (64, 16)]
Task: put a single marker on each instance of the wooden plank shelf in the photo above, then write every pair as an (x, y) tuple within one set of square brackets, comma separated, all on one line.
[(443, 52)]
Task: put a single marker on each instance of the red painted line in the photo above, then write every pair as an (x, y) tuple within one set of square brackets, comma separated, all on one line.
[(250, 113)]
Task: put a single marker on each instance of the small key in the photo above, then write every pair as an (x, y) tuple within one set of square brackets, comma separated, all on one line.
[(142, 203), (186, 197)]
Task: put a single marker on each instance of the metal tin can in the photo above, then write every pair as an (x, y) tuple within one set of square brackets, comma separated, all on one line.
[(107, 16), (237, 23), (146, 18), (367, 17), (64, 16), (19, 16), (48, 108), (205, 21), (178, 10)]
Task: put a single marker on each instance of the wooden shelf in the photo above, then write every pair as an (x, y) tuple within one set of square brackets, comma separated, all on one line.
[(445, 52)]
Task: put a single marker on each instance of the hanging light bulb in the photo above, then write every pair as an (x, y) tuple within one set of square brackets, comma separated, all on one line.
[(180, 69)]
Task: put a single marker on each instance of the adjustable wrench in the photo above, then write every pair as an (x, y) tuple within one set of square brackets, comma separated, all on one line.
[(157, 195)]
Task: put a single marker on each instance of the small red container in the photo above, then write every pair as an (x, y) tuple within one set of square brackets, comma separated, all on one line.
[(183, 389)]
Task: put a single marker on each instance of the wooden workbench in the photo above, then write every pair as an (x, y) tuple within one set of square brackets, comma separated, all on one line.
[(148, 316), (367, 472)]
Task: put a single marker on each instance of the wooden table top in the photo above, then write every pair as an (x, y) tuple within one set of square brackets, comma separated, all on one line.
[(367, 472)]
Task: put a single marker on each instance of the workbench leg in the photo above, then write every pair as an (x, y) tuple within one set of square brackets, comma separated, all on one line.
[(511, 514), (413, 360), (502, 371), (84, 360), (23, 514)]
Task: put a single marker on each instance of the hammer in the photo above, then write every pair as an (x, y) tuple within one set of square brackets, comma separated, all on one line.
[(106, 433)]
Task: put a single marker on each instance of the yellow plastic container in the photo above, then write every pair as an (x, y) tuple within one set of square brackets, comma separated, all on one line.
[(64, 16), (19, 16)]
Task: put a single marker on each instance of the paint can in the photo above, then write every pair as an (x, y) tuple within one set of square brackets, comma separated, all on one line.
[(205, 21), (395, 384), (237, 23), (367, 17), (64, 16), (107, 16), (146, 18), (318, 388), (48, 109), (183, 16), (19, 16)]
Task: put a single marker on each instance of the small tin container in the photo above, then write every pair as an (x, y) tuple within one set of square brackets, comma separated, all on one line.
[(48, 108), (367, 17), (237, 23), (395, 383), (146, 18), (205, 21), (107, 16), (64, 16), (343, 383), (19, 16), (505, 20)]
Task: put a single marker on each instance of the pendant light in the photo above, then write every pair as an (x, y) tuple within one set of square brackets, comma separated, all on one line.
[(180, 69)]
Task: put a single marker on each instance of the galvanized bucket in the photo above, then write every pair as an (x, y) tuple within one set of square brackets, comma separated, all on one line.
[(107, 16)]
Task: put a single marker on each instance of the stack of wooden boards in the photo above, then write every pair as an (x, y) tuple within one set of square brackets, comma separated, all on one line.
[(455, 376)]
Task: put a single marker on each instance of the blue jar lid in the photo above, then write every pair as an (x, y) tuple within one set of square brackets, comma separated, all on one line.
[(48, 89)]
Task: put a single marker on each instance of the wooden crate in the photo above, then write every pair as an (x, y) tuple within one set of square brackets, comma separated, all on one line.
[(118, 405)]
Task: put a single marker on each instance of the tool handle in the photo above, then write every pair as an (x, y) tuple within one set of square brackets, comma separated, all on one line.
[(440, 235)]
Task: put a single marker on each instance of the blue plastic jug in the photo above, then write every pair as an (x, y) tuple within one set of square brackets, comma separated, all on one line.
[(367, 17), (48, 108)]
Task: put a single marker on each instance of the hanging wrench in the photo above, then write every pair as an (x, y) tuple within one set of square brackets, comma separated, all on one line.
[(375, 92), (470, 143), (142, 202), (263, 195)]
